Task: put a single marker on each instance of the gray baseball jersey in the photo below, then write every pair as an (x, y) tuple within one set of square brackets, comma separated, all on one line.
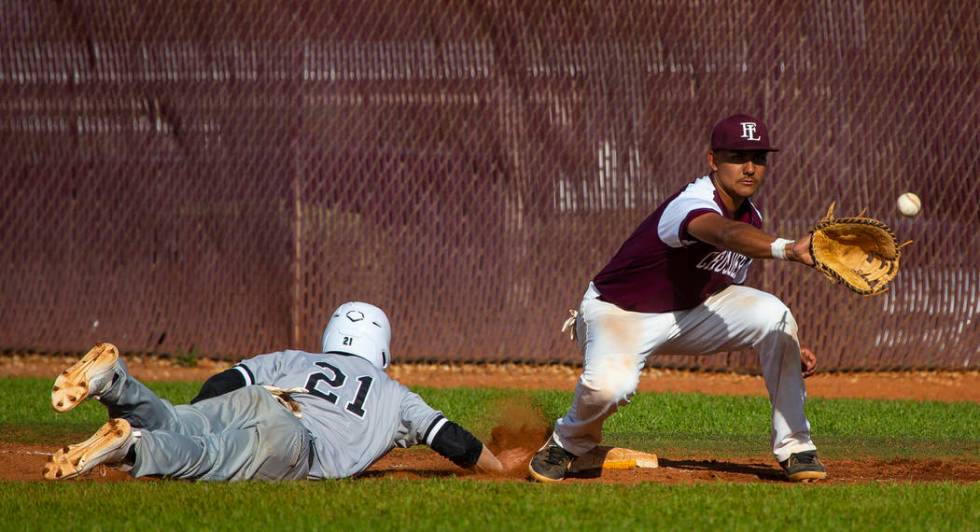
[(355, 412)]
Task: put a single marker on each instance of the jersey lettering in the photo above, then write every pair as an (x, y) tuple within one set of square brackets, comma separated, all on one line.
[(356, 406), (337, 380), (724, 262)]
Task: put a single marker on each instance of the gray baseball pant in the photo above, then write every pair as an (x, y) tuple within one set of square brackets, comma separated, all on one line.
[(241, 435)]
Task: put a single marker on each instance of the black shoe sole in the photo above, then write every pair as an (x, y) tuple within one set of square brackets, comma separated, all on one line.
[(541, 478)]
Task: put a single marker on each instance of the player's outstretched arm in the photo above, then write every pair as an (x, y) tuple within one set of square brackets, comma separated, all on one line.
[(488, 462), (743, 238), (464, 449)]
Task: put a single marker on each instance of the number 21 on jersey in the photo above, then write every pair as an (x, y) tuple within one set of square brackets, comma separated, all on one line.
[(337, 380)]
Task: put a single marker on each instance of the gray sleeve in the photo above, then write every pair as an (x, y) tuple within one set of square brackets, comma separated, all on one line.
[(262, 369), (422, 421)]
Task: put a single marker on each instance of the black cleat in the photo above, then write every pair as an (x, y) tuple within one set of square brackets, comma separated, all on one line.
[(803, 467), (550, 463)]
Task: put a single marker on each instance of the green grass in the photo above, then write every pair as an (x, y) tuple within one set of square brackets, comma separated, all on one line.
[(439, 504), (26, 415), (667, 422), (676, 425)]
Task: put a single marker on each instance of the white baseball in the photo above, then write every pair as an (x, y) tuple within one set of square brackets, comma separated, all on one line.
[(909, 204)]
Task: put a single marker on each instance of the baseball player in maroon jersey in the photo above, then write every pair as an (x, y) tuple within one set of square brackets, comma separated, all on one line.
[(675, 286)]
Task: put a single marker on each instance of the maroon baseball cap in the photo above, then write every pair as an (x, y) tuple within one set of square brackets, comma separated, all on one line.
[(741, 132)]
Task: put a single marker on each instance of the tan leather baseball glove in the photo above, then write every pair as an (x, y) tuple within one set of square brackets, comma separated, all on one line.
[(859, 252)]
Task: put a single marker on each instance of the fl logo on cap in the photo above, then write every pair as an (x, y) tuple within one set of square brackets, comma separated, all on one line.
[(748, 131)]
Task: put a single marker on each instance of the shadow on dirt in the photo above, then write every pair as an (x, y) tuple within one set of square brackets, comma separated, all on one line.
[(413, 473), (760, 471)]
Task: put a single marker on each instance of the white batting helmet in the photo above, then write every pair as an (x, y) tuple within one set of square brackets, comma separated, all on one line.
[(359, 329)]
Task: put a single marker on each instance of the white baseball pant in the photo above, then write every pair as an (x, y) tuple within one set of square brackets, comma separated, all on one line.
[(616, 343)]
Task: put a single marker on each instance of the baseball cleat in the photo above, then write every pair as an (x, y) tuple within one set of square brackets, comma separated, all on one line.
[(90, 376), (550, 463), (61, 454), (108, 445), (803, 467)]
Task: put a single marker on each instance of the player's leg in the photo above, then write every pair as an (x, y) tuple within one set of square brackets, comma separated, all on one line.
[(740, 317), (102, 374), (265, 443), (252, 436), (614, 343), (614, 354)]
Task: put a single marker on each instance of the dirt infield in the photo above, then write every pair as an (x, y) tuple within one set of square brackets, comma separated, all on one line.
[(692, 470), (24, 463), (931, 386)]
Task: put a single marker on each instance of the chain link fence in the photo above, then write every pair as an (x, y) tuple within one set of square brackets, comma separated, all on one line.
[(216, 177)]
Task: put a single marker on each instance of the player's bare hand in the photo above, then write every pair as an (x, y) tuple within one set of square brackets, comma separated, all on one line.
[(808, 360), (513, 459), (799, 251)]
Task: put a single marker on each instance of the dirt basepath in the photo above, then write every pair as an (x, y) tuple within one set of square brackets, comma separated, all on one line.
[(24, 463), (932, 386)]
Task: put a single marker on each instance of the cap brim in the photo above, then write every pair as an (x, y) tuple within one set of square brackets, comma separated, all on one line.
[(744, 149)]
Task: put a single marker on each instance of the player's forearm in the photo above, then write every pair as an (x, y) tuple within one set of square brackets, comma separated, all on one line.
[(745, 239), (465, 450)]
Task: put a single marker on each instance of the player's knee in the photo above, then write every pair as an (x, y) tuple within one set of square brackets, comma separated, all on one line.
[(770, 313), (611, 394), (613, 384)]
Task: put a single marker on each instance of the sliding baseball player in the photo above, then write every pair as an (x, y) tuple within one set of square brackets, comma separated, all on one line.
[(280, 416)]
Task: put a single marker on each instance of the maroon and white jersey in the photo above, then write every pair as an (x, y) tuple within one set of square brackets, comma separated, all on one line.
[(661, 267)]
